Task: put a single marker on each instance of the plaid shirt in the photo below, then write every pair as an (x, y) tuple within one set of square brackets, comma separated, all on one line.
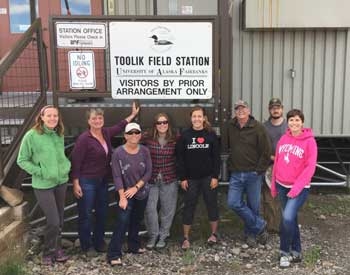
[(163, 160)]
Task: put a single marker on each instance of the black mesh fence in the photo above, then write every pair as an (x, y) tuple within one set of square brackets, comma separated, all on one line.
[(21, 91)]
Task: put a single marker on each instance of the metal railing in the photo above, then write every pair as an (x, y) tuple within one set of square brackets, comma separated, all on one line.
[(23, 74)]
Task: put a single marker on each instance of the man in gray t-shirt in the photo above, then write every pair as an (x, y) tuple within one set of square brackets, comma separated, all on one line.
[(276, 126)]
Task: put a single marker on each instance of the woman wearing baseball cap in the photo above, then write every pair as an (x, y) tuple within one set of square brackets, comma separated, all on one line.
[(131, 169), (91, 159)]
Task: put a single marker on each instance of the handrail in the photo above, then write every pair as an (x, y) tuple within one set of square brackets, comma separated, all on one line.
[(34, 33), (11, 56)]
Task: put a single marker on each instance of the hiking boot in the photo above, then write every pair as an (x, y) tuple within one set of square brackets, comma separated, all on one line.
[(285, 261), (47, 260), (61, 256), (251, 241), (151, 243), (263, 236), (295, 257), (161, 244)]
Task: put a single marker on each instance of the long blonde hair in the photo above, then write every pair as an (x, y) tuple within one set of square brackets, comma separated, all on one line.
[(39, 123)]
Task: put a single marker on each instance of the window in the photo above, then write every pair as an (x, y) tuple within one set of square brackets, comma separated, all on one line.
[(76, 7), (20, 15)]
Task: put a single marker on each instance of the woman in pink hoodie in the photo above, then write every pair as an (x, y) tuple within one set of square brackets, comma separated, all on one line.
[(294, 166)]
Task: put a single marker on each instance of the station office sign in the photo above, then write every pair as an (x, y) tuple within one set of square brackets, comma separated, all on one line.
[(81, 70), (161, 60), (80, 35)]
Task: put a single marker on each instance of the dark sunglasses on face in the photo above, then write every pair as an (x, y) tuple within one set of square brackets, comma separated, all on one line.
[(165, 122), (133, 133)]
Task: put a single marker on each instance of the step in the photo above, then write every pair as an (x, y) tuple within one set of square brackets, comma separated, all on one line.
[(12, 196), (6, 216), (12, 235)]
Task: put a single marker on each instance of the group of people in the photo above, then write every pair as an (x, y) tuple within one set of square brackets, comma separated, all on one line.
[(146, 170)]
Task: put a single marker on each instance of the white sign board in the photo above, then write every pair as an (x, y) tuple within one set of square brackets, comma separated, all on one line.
[(80, 35), (161, 60), (81, 70)]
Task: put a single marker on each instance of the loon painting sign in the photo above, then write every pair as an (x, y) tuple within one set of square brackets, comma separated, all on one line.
[(161, 60)]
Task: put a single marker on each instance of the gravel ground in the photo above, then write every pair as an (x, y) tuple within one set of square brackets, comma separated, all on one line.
[(325, 230)]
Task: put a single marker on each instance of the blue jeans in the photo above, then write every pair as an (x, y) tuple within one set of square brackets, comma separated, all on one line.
[(249, 184), (127, 220), (95, 196), (289, 230)]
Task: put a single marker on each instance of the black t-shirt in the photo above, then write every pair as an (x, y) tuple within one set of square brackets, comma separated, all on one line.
[(197, 155)]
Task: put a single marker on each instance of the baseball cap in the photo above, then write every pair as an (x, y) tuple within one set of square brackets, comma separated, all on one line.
[(132, 126), (241, 103), (275, 102)]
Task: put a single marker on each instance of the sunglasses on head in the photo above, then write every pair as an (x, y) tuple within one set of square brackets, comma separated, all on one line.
[(165, 122), (133, 133)]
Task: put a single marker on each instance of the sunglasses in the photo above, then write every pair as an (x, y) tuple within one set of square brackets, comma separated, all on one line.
[(164, 122), (133, 133)]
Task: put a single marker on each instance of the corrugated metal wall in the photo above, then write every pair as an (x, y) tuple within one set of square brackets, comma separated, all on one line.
[(129, 7), (307, 69), (163, 7)]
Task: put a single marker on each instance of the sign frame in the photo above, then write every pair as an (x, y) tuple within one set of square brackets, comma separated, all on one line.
[(173, 70), (80, 70), (81, 35)]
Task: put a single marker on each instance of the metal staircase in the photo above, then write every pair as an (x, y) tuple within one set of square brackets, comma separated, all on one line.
[(23, 92)]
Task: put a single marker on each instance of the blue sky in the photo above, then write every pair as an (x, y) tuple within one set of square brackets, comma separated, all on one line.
[(20, 12), (76, 7)]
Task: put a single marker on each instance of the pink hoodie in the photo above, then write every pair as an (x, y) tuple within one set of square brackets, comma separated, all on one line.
[(295, 162)]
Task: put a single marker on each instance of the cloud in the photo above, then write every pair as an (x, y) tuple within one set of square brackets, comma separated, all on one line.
[(81, 2), (19, 8)]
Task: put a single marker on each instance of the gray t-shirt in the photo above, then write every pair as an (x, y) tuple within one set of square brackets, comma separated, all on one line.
[(275, 132), (128, 169)]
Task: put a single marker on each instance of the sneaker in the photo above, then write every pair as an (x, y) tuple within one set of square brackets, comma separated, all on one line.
[(47, 260), (161, 244), (251, 241), (296, 257), (61, 256), (138, 251), (285, 261), (263, 236), (115, 262), (151, 243)]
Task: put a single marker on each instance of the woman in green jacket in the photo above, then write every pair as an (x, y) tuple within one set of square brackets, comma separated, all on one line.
[(42, 155)]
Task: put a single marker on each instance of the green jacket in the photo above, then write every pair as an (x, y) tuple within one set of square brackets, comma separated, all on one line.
[(250, 147), (43, 157)]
